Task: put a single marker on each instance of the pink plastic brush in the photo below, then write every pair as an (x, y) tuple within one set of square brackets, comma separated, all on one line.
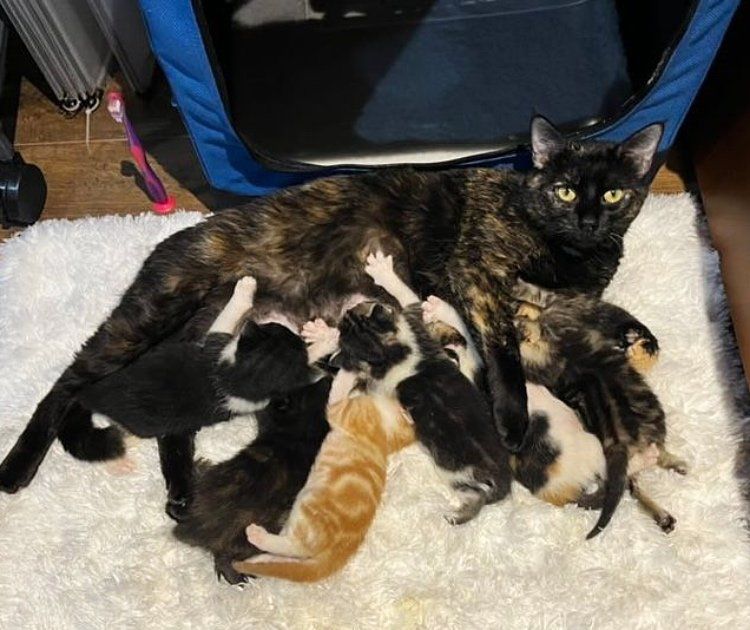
[(162, 202)]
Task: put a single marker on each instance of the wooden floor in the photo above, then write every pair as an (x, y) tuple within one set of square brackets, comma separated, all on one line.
[(98, 177)]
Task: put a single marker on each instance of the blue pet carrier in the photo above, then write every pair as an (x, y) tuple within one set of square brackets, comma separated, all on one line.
[(275, 92)]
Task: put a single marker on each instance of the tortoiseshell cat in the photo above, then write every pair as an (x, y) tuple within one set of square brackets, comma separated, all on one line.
[(464, 235), (334, 510), (579, 347)]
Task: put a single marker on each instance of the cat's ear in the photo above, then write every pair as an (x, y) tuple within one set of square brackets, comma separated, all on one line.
[(546, 141), (641, 147)]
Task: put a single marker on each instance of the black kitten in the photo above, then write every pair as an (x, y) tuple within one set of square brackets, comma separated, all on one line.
[(176, 388), (260, 483), (451, 417)]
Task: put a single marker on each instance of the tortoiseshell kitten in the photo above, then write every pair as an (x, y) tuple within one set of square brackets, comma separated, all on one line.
[(562, 462), (580, 348), (464, 235), (260, 483)]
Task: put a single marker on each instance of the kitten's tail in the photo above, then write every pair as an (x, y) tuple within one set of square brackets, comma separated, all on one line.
[(616, 457), (312, 569), (86, 442)]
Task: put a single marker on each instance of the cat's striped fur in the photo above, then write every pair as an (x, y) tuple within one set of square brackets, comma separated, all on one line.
[(333, 512)]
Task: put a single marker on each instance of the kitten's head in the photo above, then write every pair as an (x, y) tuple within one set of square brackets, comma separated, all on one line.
[(584, 193), (269, 361), (368, 339), (298, 415)]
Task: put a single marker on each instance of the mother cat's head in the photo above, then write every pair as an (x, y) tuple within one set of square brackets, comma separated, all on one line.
[(584, 193)]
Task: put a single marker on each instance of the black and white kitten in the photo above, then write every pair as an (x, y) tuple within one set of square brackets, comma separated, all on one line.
[(176, 388), (451, 417), (585, 349)]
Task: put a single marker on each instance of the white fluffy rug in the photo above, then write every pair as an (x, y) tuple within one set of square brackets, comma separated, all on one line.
[(81, 548)]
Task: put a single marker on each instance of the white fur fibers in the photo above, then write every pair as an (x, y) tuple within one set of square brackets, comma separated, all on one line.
[(82, 549)]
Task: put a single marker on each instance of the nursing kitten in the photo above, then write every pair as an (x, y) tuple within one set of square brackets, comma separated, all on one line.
[(465, 235), (561, 460), (451, 418), (573, 344), (176, 388), (334, 510), (260, 483)]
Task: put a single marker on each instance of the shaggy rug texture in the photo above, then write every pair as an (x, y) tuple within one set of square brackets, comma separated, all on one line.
[(82, 547)]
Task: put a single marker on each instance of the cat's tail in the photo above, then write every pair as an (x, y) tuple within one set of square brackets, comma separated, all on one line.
[(616, 457), (312, 569), (89, 443)]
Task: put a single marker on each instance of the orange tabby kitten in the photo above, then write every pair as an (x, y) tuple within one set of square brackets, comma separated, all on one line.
[(332, 513)]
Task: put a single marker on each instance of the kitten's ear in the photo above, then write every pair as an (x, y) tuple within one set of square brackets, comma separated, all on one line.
[(316, 374), (337, 360), (546, 141), (641, 147)]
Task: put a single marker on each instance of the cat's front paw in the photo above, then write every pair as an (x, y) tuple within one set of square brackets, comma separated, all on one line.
[(245, 289), (380, 268)]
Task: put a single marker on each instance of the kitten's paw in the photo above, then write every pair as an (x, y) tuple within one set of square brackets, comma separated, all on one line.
[(245, 289), (177, 508), (379, 267), (672, 462), (666, 523), (432, 308), (464, 513), (322, 340), (225, 571), (256, 535), (317, 330)]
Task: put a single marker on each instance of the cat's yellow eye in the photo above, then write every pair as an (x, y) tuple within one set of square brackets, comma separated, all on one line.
[(568, 195), (613, 196)]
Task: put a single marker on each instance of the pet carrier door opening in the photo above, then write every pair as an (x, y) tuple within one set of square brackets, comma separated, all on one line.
[(325, 82)]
